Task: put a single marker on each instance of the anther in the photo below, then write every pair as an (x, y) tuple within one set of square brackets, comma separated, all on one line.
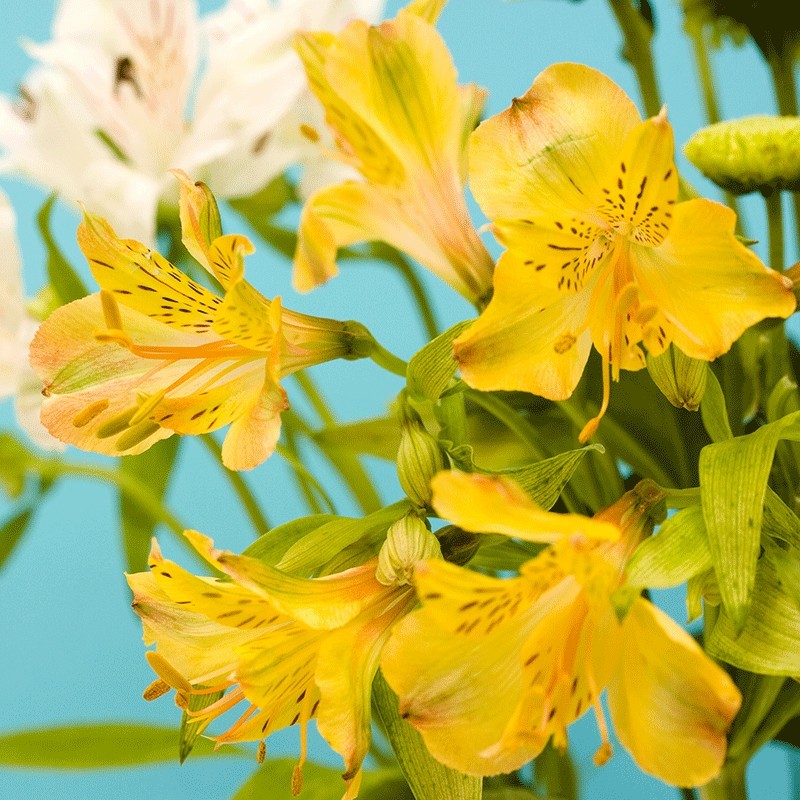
[(89, 413), (297, 780), (168, 673), (261, 753), (156, 689)]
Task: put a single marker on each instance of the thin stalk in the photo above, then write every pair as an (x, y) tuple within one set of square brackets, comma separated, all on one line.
[(292, 455), (708, 86), (240, 487), (775, 222), (781, 65), (389, 361), (687, 794), (638, 34), (759, 698), (308, 482), (729, 785), (314, 395)]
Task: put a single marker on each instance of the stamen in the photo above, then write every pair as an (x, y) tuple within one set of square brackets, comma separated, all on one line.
[(310, 133), (146, 405), (136, 435), (158, 688), (591, 426), (111, 312), (605, 751), (261, 753), (297, 780), (167, 672), (116, 424), (89, 413), (222, 705)]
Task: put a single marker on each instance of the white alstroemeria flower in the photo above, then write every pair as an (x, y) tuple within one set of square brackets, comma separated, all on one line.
[(128, 89), (17, 378)]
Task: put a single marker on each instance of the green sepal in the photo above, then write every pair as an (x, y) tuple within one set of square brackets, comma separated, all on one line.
[(189, 732), (432, 368)]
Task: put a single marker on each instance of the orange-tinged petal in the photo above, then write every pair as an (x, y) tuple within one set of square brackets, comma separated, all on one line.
[(484, 504), (547, 155), (142, 279), (530, 337), (459, 691), (670, 704), (707, 284)]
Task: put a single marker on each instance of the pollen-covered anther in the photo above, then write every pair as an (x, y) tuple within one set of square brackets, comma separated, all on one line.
[(156, 689), (564, 343), (181, 701), (297, 780), (261, 753), (603, 754), (310, 132)]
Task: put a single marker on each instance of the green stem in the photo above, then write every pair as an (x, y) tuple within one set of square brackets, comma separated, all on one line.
[(292, 455), (687, 794), (786, 708), (707, 83), (681, 498), (760, 693), (312, 392), (775, 221), (729, 785), (389, 361), (781, 64), (638, 34), (240, 487)]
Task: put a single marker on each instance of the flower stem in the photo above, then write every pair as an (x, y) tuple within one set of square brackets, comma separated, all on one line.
[(238, 484), (781, 66), (775, 222), (728, 785), (389, 361), (705, 73), (638, 34)]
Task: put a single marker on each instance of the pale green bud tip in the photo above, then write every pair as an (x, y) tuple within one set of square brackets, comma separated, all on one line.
[(682, 380), (753, 154), (419, 458), (407, 542)]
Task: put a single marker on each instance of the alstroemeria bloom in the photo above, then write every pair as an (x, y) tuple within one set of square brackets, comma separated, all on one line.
[(287, 649), (155, 353), (399, 117), (488, 670), (17, 379), (103, 117), (584, 196)]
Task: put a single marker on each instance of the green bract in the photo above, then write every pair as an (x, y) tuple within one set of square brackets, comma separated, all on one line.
[(753, 154)]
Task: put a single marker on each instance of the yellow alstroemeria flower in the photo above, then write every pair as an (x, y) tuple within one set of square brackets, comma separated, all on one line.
[(287, 649), (400, 119), (583, 195), (488, 670), (155, 353)]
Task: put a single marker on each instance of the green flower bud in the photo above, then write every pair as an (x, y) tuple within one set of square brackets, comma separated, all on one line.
[(682, 380), (407, 542), (753, 154), (419, 458)]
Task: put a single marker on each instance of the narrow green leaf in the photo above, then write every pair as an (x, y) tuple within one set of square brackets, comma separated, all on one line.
[(273, 781), (12, 532), (676, 553), (429, 780), (733, 480), (152, 468), (769, 642), (780, 522), (431, 369), (16, 460), (97, 746), (272, 546), (260, 209), (378, 437), (713, 410), (189, 732), (319, 546), (510, 793), (61, 274)]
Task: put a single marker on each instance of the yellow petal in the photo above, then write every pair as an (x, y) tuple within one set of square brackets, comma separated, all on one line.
[(244, 317), (348, 661), (200, 222), (142, 279), (708, 285), (530, 337), (547, 155), (671, 705), (483, 504)]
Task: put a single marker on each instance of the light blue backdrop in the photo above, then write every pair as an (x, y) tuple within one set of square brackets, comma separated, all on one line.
[(71, 648)]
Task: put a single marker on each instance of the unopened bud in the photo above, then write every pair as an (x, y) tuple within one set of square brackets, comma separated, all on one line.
[(682, 380), (753, 154), (407, 542), (419, 458)]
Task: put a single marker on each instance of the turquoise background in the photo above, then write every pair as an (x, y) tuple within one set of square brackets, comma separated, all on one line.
[(71, 648)]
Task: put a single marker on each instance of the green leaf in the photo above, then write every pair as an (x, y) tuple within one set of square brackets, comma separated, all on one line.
[(272, 546), (429, 780), (322, 544), (259, 209), (189, 733), (555, 775), (733, 480), (713, 410), (378, 437), (431, 369), (676, 553), (97, 746), (769, 641), (273, 781), (12, 532), (152, 468), (16, 460), (61, 274), (509, 793)]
